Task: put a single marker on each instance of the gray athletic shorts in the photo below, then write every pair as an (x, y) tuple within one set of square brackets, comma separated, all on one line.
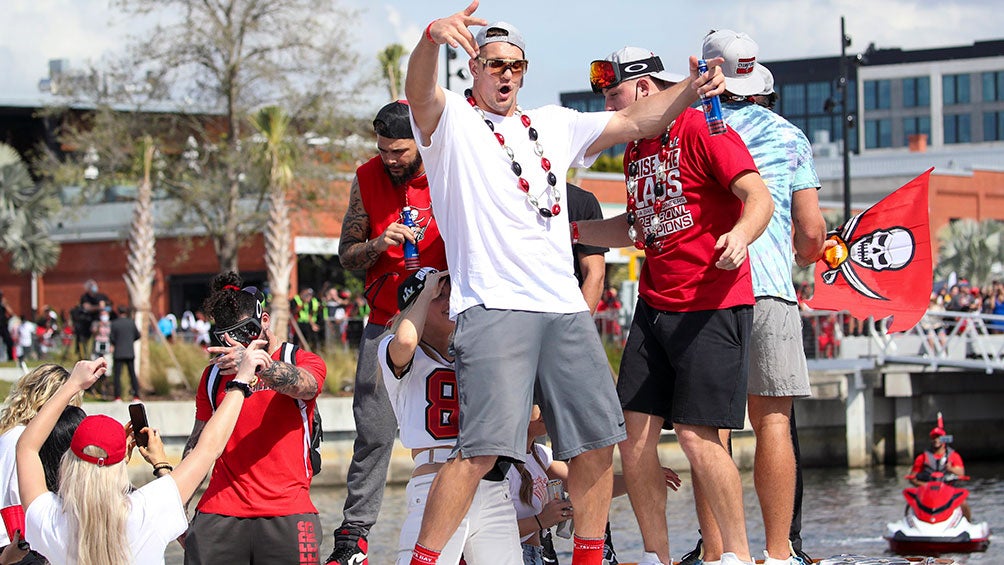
[(502, 354), (777, 359)]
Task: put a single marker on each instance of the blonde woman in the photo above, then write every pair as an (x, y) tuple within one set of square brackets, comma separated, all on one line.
[(23, 402), (97, 518)]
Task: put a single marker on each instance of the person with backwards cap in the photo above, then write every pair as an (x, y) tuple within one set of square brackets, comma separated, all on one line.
[(796, 233), (97, 517), (372, 239), (497, 178), (694, 204)]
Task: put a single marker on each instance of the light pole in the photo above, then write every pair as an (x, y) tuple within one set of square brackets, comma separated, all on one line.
[(451, 55), (846, 120)]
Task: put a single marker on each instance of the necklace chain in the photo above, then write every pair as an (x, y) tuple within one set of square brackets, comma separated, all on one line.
[(517, 169), (634, 173)]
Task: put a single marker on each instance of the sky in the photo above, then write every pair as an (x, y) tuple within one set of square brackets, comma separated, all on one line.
[(562, 37)]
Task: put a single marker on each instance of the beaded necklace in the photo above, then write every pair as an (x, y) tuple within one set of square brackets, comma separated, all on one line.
[(517, 169), (634, 171)]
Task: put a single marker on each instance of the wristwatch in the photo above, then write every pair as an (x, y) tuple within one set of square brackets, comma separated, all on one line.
[(239, 385)]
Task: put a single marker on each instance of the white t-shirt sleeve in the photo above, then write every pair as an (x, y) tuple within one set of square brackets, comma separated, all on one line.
[(45, 526), (583, 129)]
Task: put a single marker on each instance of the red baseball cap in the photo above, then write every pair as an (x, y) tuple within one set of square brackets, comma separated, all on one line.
[(103, 432), (938, 432)]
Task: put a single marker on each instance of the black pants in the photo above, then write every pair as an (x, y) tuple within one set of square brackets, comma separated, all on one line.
[(286, 540), (117, 366)]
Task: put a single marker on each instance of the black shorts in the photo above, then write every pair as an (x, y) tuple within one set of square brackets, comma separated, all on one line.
[(294, 539), (687, 367)]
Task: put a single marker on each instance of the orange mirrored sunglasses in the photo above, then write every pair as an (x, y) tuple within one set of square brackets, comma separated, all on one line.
[(499, 66)]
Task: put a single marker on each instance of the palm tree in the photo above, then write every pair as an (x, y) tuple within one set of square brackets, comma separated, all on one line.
[(278, 155), (25, 210), (390, 67), (970, 249), (140, 262)]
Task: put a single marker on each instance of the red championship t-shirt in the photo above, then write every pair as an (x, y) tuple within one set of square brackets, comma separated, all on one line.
[(698, 208), (383, 203), (265, 467)]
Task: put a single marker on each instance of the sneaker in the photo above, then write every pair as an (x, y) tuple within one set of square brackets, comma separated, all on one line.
[(118, 399), (800, 557), (729, 558), (350, 548), (791, 560), (696, 556), (648, 558)]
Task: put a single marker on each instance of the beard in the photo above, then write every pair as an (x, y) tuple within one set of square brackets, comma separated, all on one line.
[(407, 174)]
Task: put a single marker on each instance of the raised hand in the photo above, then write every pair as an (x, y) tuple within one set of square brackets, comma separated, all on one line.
[(711, 83), (86, 373), (453, 30)]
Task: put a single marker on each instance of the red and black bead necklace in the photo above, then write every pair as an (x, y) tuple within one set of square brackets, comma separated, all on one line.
[(517, 169), (634, 172)]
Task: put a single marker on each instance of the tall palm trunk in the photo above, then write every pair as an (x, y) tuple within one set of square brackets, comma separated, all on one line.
[(140, 264)]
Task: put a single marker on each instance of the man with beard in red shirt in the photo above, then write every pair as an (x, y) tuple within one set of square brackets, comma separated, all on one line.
[(373, 235)]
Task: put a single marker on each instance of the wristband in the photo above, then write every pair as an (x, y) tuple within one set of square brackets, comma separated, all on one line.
[(428, 32), (539, 525), (242, 386), (575, 232), (160, 467)]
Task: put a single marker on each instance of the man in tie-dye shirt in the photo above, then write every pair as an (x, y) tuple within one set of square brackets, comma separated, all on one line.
[(796, 231)]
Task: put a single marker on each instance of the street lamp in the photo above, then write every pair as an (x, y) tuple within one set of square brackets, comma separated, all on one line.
[(847, 121), (91, 159), (451, 55)]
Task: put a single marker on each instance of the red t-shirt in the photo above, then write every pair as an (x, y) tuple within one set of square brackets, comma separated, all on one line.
[(265, 467), (383, 202), (698, 208)]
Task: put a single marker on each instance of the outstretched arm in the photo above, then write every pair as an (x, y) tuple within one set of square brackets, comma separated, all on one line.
[(30, 475), (290, 380), (651, 115), (421, 86)]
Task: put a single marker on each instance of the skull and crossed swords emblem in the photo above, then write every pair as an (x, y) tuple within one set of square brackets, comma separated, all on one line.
[(887, 249)]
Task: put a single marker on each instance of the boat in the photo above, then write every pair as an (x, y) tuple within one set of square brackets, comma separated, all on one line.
[(934, 523)]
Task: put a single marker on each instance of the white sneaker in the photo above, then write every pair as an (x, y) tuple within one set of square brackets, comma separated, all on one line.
[(768, 560), (730, 558), (649, 558)]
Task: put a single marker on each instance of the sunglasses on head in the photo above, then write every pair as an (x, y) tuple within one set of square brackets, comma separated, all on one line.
[(243, 332), (607, 74), (499, 66)]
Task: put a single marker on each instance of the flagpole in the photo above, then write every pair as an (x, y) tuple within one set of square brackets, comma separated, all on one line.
[(845, 41)]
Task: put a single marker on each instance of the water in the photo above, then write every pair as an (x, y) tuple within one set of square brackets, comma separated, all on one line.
[(844, 511)]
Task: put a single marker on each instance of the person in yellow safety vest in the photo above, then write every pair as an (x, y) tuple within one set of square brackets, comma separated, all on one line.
[(304, 309)]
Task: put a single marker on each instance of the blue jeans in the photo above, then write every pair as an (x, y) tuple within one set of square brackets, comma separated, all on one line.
[(532, 554)]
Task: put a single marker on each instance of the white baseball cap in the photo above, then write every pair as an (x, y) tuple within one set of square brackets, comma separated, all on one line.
[(634, 62), (741, 69)]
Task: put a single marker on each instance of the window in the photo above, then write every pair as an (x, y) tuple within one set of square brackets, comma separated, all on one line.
[(957, 128), (955, 89), (916, 92), (793, 99), (993, 86), (878, 133), (817, 93), (919, 124), (877, 95), (824, 123), (993, 126)]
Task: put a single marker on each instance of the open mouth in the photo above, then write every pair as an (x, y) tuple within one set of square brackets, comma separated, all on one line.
[(505, 89)]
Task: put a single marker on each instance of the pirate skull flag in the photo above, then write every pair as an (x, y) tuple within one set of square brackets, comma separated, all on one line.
[(881, 265)]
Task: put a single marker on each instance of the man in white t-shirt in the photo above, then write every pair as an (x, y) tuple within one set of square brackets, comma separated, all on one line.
[(497, 180)]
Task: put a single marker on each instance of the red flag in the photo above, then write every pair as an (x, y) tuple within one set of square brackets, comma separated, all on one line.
[(881, 265)]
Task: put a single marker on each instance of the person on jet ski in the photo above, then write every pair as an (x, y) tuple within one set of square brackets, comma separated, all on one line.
[(940, 458)]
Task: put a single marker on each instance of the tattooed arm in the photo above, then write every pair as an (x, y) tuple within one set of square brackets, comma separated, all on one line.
[(290, 380), (354, 250)]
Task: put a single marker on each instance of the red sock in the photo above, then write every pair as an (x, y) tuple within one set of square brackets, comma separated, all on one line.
[(587, 551), (422, 555)]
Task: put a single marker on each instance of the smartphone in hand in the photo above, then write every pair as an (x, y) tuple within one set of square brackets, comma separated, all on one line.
[(137, 414)]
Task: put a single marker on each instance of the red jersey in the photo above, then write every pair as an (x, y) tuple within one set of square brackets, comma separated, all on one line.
[(383, 203), (698, 208), (265, 467)]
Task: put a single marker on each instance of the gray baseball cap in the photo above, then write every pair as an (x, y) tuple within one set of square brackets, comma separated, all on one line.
[(501, 31)]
